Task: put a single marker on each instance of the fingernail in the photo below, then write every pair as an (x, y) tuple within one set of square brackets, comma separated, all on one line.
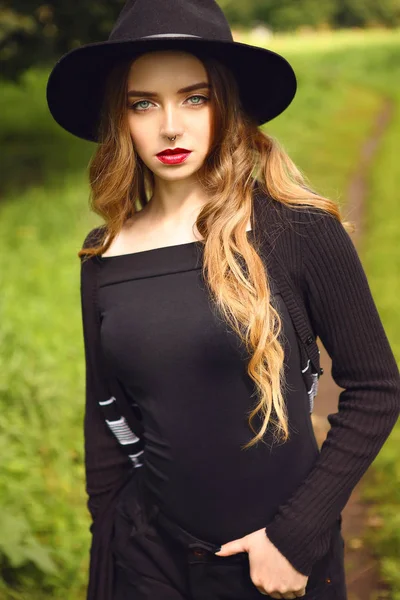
[(218, 550)]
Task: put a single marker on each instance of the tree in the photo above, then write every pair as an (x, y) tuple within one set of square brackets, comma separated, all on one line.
[(32, 32), (288, 15)]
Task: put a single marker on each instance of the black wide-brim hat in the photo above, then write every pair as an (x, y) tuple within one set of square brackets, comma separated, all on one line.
[(75, 88)]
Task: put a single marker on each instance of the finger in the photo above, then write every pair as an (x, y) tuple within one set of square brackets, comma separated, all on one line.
[(289, 596), (301, 593), (275, 595), (230, 548), (264, 593)]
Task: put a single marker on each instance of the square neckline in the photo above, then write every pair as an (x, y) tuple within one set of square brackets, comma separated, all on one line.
[(165, 248), (101, 257)]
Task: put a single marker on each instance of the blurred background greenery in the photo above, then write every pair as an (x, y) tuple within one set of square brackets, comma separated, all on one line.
[(32, 32), (346, 54)]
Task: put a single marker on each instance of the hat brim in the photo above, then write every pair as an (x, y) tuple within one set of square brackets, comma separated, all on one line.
[(267, 82)]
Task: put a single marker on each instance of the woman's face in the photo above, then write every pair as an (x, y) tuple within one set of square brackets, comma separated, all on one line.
[(167, 111)]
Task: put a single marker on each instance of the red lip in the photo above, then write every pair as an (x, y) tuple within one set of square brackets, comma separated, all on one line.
[(168, 151)]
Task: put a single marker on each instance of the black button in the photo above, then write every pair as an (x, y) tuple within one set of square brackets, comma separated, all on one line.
[(309, 340), (321, 370), (199, 552)]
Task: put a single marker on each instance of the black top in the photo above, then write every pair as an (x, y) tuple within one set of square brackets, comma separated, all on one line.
[(187, 372), (328, 283)]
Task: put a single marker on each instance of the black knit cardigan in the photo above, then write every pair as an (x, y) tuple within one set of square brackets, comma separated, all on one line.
[(314, 263)]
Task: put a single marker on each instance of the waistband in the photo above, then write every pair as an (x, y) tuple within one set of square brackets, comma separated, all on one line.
[(183, 536), (172, 528)]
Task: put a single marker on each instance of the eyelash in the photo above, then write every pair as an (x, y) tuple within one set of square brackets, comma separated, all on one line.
[(133, 106)]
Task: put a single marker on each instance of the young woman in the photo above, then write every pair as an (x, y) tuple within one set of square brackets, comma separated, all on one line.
[(181, 312)]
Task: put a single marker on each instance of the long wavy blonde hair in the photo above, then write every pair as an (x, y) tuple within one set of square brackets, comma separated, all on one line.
[(240, 153)]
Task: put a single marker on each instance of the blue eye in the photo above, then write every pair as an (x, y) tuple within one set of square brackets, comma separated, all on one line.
[(140, 102), (136, 104), (204, 98)]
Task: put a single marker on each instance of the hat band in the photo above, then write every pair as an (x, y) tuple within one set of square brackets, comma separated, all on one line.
[(167, 35)]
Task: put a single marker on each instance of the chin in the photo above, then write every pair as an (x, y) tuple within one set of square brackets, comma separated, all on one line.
[(175, 176)]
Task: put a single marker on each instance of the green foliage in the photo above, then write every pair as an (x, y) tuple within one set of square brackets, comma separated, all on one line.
[(361, 13), (42, 387), (32, 138), (382, 256), (288, 15), (18, 544), (33, 33)]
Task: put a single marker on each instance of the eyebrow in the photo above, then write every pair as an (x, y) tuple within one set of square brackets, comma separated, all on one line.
[(190, 88)]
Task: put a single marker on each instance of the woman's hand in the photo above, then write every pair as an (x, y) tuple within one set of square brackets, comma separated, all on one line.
[(270, 571)]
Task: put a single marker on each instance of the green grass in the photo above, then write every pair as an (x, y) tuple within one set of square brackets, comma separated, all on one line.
[(382, 260), (44, 217), (42, 389), (36, 150)]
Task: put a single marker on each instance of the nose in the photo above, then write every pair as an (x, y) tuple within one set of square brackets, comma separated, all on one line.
[(171, 121)]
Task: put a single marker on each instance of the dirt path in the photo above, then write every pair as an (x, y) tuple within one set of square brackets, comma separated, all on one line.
[(363, 581)]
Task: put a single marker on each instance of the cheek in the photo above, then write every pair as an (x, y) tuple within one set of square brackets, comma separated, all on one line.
[(202, 130), (140, 133)]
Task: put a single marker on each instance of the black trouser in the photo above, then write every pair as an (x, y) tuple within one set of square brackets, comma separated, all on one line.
[(155, 559)]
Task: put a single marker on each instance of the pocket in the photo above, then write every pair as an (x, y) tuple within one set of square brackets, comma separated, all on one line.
[(230, 578)]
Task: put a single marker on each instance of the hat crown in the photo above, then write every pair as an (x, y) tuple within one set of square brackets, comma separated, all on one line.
[(76, 85), (163, 18)]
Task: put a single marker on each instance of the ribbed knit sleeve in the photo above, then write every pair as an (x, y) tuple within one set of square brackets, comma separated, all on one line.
[(105, 462), (345, 318)]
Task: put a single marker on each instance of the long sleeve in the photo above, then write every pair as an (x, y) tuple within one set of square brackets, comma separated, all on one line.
[(105, 462), (345, 318)]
